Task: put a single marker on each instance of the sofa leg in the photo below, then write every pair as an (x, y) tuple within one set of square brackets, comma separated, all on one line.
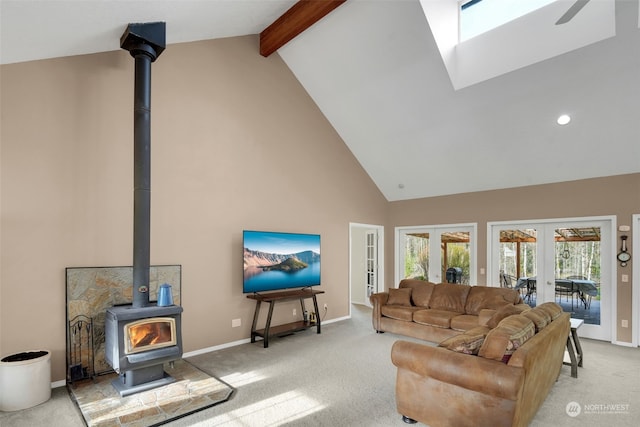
[(379, 332), (408, 420)]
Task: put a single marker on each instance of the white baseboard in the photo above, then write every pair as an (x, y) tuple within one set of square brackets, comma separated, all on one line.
[(624, 343), (339, 319), (57, 384), (215, 347)]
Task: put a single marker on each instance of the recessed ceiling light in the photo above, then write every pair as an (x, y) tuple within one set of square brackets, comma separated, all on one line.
[(563, 119), (401, 186)]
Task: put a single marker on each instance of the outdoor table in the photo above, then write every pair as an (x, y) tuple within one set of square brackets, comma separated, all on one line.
[(584, 288)]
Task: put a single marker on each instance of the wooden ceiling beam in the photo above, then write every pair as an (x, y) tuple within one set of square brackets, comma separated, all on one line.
[(294, 21)]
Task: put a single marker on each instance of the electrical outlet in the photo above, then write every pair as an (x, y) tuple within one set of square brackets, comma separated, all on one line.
[(625, 323), (236, 322), (294, 311), (325, 306)]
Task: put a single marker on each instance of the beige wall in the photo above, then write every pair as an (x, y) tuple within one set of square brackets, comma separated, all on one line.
[(236, 144), (618, 195)]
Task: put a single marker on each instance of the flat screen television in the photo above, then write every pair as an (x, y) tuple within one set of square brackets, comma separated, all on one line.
[(275, 261)]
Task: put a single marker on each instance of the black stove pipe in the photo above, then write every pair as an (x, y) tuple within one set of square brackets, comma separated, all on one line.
[(145, 42)]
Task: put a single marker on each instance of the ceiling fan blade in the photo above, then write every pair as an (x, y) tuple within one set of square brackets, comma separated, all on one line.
[(572, 11)]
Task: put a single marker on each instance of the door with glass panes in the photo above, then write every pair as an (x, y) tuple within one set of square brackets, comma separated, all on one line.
[(561, 261), (428, 252)]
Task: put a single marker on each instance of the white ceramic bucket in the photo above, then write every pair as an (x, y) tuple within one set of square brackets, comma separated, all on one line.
[(25, 380)]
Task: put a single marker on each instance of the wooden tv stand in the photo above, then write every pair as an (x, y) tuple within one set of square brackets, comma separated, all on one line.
[(272, 298)]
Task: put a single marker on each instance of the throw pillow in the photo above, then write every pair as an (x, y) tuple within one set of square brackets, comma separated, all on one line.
[(552, 308), (504, 311), (539, 318), (501, 342), (543, 313), (400, 296), (464, 343)]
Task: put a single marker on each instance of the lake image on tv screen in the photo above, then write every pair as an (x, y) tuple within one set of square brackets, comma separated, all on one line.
[(280, 260)]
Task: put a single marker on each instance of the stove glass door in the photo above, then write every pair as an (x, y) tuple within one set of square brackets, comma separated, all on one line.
[(149, 334)]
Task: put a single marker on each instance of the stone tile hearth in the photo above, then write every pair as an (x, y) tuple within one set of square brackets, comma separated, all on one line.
[(193, 390)]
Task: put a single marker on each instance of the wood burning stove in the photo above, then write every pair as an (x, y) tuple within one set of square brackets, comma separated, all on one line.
[(140, 338), (138, 341)]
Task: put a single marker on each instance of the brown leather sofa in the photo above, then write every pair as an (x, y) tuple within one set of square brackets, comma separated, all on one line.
[(434, 312), (496, 360), (503, 385)]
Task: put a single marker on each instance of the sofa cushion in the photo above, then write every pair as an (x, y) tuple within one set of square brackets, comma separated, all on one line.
[(464, 343), (400, 296), (432, 317), (539, 317), (450, 297), (552, 308), (422, 294), (505, 311), (398, 312), (464, 322), (510, 334), (421, 291), (489, 297)]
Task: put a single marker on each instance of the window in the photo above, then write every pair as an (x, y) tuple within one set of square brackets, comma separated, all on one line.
[(479, 16)]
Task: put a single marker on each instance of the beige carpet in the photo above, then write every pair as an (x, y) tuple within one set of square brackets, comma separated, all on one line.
[(192, 391), (344, 377)]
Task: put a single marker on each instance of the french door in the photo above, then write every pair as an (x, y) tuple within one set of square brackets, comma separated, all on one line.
[(566, 261), (366, 262), (427, 252), (371, 263)]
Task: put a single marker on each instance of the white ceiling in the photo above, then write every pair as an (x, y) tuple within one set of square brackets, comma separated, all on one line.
[(470, 118)]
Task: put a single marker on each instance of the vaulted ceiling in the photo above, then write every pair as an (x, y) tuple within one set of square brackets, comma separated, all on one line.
[(423, 115)]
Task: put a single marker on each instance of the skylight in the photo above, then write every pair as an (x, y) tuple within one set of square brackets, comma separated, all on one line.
[(480, 16)]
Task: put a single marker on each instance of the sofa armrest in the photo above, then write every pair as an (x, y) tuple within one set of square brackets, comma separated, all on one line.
[(378, 300), (475, 373)]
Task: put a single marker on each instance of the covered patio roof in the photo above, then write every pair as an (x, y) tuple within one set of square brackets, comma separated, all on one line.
[(588, 234)]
